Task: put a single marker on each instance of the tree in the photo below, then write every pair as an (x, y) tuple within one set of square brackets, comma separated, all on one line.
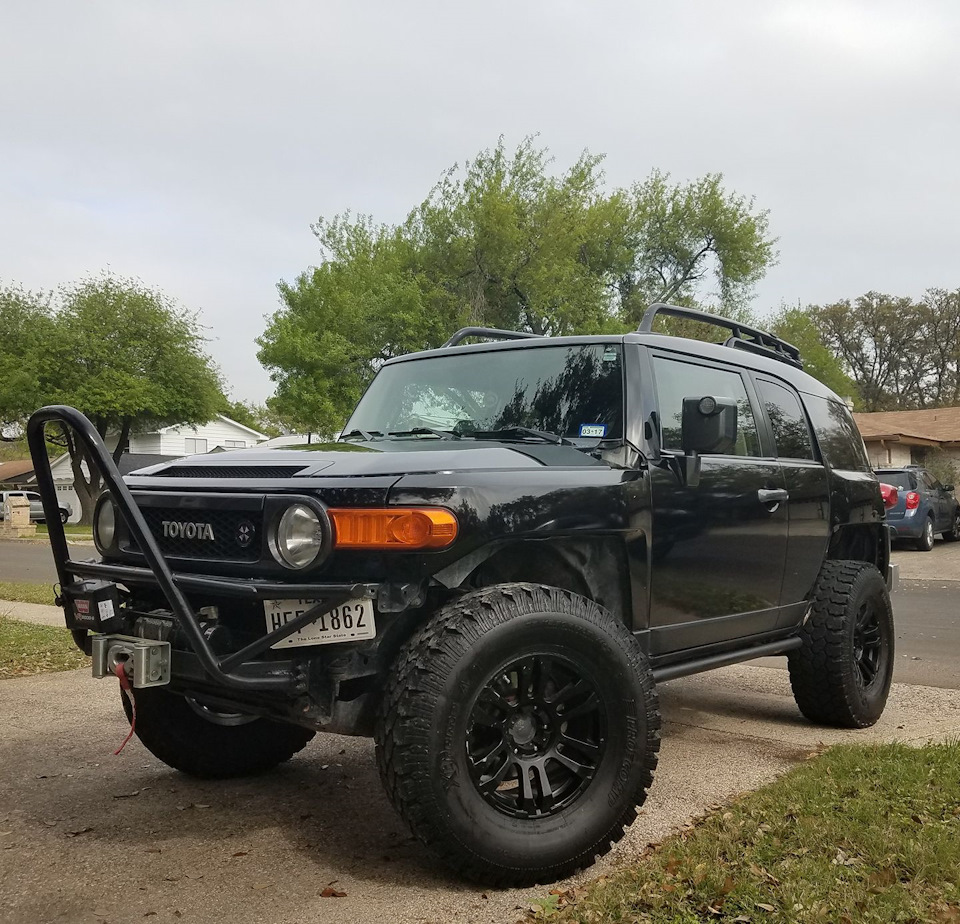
[(499, 242), (125, 355), (681, 236), (26, 325), (250, 414), (797, 326), (900, 353)]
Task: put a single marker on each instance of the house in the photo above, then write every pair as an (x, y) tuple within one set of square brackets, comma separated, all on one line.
[(16, 473), (185, 440), (156, 446), (896, 438)]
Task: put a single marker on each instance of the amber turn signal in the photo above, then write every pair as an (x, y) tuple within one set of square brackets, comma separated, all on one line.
[(393, 527)]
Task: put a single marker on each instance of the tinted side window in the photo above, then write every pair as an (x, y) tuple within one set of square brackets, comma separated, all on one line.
[(678, 380), (840, 440), (789, 424), (33, 497)]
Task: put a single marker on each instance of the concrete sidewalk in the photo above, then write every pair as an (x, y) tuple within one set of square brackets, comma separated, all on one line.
[(32, 612), (85, 835)]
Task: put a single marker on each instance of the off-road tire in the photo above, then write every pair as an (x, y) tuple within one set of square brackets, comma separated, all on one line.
[(827, 681), (178, 735), (427, 713), (925, 542)]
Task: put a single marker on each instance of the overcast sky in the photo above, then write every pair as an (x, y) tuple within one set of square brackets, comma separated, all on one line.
[(192, 144)]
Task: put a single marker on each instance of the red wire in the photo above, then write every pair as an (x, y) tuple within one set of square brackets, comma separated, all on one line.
[(125, 686)]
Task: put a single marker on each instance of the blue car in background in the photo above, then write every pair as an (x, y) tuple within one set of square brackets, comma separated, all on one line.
[(924, 506)]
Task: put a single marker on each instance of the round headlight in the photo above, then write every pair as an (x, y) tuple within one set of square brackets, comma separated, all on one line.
[(299, 537), (105, 524)]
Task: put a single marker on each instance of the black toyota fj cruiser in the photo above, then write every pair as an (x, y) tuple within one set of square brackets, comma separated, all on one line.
[(508, 546)]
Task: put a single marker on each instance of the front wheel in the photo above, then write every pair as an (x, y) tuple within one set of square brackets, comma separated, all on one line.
[(518, 733), (841, 674), (64, 516), (197, 740)]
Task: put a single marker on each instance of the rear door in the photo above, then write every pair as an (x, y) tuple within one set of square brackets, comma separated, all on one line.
[(808, 505), (719, 548)]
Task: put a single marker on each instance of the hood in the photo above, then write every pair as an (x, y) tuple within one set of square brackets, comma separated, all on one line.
[(352, 460)]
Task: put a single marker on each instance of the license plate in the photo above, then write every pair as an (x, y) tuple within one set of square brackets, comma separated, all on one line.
[(346, 622)]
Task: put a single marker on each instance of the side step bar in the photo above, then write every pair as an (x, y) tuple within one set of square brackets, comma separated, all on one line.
[(698, 665)]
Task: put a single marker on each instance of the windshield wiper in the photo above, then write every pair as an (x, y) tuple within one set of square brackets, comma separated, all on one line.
[(425, 431), (521, 433), (368, 435)]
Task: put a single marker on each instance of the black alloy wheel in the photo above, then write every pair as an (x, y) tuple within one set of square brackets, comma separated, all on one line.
[(868, 644), (519, 732), (536, 736)]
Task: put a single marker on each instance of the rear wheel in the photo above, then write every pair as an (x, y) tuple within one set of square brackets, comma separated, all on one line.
[(519, 733), (842, 673), (64, 516), (200, 741), (925, 542)]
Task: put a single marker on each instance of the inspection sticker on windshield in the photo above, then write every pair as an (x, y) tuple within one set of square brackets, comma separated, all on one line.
[(588, 430), (348, 622)]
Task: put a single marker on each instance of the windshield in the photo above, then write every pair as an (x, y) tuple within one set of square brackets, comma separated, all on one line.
[(571, 391)]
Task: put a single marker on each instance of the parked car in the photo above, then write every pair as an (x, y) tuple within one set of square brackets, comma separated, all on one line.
[(510, 545), (924, 506), (36, 506)]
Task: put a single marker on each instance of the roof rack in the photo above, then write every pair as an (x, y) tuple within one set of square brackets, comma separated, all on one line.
[(742, 336), (491, 333)]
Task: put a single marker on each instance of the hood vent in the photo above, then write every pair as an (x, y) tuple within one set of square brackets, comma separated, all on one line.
[(230, 471)]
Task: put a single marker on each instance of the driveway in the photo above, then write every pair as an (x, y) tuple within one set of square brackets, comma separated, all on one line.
[(89, 837)]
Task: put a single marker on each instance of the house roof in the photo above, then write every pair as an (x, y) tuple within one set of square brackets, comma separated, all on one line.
[(935, 425), (225, 419), (16, 468)]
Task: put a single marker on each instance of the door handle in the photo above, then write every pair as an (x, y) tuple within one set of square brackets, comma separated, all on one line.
[(772, 495)]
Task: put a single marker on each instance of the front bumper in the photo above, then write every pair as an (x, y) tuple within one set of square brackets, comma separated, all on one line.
[(234, 670)]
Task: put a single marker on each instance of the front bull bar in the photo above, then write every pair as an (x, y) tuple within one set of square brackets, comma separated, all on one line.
[(221, 669)]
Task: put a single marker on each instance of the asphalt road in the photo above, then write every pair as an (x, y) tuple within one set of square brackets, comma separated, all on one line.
[(926, 607)]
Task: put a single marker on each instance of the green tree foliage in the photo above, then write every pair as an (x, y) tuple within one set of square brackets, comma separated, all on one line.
[(680, 236), (26, 325), (900, 352), (250, 414), (501, 242), (126, 355), (797, 326)]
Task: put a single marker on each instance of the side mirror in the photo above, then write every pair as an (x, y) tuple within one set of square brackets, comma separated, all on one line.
[(708, 424)]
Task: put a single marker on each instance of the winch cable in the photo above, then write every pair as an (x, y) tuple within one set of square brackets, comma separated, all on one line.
[(128, 690)]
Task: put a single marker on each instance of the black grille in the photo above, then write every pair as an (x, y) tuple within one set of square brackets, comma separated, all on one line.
[(230, 529), (231, 471)]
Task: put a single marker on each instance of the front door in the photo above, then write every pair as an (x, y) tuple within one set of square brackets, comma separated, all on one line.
[(719, 547)]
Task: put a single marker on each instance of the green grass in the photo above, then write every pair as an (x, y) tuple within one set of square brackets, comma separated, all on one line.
[(26, 593), (865, 834), (28, 649)]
